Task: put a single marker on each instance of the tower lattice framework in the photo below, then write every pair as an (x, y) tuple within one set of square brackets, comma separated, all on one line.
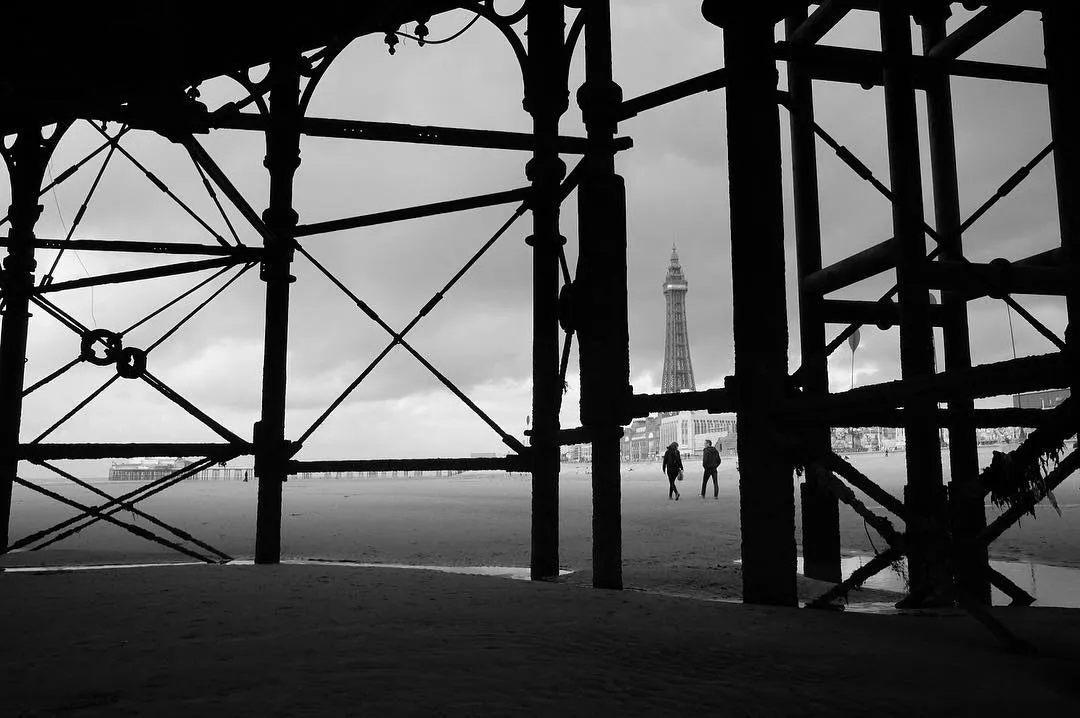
[(678, 371)]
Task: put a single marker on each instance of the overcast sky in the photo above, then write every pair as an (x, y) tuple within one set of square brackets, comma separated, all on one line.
[(480, 335)]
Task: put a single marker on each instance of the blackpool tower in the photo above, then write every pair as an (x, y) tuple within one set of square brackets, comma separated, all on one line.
[(678, 372)]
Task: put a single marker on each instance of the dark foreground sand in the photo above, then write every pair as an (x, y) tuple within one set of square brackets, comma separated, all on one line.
[(315, 640), (338, 640)]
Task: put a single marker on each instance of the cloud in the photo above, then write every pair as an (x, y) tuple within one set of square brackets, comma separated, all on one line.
[(480, 334)]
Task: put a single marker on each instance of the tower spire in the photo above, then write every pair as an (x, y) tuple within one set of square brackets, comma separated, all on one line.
[(678, 371)]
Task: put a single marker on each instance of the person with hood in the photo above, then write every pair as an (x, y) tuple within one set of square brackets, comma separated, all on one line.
[(710, 460), (672, 466)]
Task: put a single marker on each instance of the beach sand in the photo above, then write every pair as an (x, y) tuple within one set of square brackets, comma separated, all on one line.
[(336, 640)]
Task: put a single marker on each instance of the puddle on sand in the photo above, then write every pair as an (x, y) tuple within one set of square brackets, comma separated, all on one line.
[(1052, 586), (515, 572), (519, 573), (94, 567)]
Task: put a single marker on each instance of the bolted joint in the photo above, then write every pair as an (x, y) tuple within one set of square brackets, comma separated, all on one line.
[(533, 240), (280, 217), (554, 101), (727, 14), (275, 271), (599, 101), (23, 215), (279, 160), (999, 274), (270, 455), (19, 265), (545, 169), (885, 314), (277, 258)]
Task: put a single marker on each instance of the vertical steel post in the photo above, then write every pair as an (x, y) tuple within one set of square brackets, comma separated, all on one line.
[(766, 486), (1062, 58), (546, 99), (600, 295), (282, 160), (26, 160), (820, 509), (924, 494), (967, 515)]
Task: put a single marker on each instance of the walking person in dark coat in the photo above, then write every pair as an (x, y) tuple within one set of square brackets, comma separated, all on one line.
[(710, 460), (673, 468)]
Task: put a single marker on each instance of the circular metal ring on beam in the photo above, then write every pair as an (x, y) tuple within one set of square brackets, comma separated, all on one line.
[(131, 363), (114, 345)]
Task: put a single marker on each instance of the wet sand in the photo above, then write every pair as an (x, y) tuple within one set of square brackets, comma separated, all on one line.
[(483, 519)]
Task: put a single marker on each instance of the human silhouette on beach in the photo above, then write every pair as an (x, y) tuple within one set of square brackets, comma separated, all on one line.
[(710, 460), (672, 466)]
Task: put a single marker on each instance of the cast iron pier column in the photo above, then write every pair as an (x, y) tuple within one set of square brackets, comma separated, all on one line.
[(546, 99), (766, 487), (1059, 27), (600, 296), (282, 159), (27, 159), (924, 495), (967, 515), (820, 509)]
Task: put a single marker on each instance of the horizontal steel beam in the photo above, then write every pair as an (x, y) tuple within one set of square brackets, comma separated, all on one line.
[(974, 31), (1048, 371), (862, 265), (253, 254), (494, 199), (712, 400), (510, 462), (574, 435), (865, 67), (869, 417), (411, 134), (702, 83), (47, 452), (882, 313), (998, 279), (137, 275)]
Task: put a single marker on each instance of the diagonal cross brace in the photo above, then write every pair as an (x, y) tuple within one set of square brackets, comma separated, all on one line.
[(66, 319), (173, 396), (136, 511), (47, 279), (435, 299), (70, 171), (157, 384), (156, 181), (115, 505), (569, 184), (132, 528), (510, 441), (202, 159), (864, 172)]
